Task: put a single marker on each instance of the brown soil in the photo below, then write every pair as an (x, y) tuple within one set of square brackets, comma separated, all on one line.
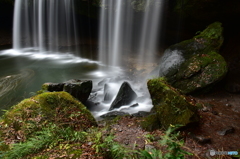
[(221, 110)]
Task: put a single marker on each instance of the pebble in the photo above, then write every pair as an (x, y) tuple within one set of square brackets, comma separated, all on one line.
[(204, 109), (126, 142), (228, 105), (225, 131), (149, 147), (201, 139)]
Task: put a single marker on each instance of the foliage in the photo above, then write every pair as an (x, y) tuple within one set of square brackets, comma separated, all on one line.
[(33, 114), (106, 146), (55, 139), (49, 137), (58, 139), (174, 147)]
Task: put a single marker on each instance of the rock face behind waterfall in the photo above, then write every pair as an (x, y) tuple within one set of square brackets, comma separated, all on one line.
[(170, 107), (195, 64), (124, 97), (77, 88)]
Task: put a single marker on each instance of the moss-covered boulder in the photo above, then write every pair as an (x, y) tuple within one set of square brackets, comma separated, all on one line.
[(170, 107), (35, 113), (195, 64)]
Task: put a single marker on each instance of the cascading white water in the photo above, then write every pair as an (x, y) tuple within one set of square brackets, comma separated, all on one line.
[(44, 25), (133, 27), (122, 27), (150, 31)]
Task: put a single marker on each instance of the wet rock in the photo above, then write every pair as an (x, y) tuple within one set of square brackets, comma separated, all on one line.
[(170, 107), (92, 106), (93, 96), (80, 90), (53, 87), (124, 97), (108, 95), (114, 114), (134, 105), (103, 82), (141, 114), (195, 64), (225, 131), (77, 88)]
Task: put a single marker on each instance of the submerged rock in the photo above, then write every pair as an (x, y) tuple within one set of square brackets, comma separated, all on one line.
[(141, 114), (170, 107), (108, 96), (124, 97), (114, 114), (103, 82), (77, 88), (195, 64), (32, 114)]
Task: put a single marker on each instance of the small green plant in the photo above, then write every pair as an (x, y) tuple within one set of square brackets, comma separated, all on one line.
[(42, 139), (174, 147), (48, 137), (106, 146), (149, 137)]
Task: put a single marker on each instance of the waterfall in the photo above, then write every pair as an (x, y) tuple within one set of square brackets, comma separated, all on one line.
[(44, 25), (132, 25)]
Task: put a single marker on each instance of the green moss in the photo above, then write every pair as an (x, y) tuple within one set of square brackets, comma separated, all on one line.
[(213, 31), (203, 65), (32, 114), (45, 86), (199, 72), (208, 40), (170, 106), (150, 122)]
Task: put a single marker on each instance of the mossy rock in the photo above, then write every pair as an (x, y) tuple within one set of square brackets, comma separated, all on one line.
[(210, 39), (33, 114), (199, 72), (199, 65), (170, 107)]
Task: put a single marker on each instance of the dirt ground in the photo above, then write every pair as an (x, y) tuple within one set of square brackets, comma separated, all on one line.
[(218, 129)]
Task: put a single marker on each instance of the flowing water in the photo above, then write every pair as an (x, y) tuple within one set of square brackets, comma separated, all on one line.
[(44, 50), (123, 27), (44, 25)]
